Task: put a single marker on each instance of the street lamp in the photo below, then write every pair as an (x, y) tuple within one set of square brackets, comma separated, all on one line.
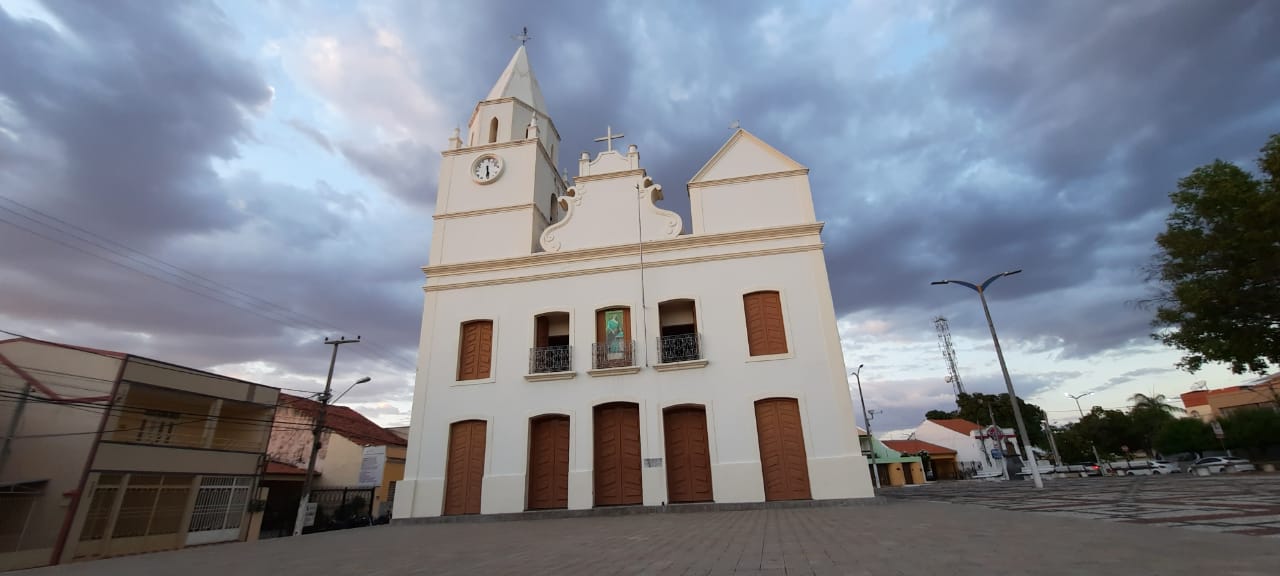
[(1094, 445), (1013, 398), (871, 440), (300, 521)]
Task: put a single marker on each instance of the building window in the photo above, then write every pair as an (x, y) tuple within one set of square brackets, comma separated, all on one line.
[(551, 351), (614, 346), (493, 130), (555, 208), (157, 427), (678, 339), (765, 332), (475, 350)]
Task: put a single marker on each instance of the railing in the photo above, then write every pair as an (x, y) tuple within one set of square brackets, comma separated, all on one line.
[(619, 354), (680, 348), (550, 359)]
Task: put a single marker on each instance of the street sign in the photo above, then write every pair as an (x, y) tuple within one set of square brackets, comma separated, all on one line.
[(1217, 429), (310, 518), (997, 453), (373, 460)]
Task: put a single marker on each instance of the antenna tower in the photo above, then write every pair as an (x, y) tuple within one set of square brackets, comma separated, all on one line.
[(948, 354)]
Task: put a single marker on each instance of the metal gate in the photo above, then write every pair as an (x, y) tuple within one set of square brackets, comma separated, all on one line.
[(219, 510), (339, 508)]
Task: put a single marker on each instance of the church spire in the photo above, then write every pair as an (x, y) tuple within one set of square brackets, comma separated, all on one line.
[(517, 82)]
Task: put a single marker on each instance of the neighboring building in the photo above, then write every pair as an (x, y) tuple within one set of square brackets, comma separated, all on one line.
[(401, 431), (894, 467), (976, 453), (1212, 404), (109, 453), (941, 462), (343, 446), (580, 349)]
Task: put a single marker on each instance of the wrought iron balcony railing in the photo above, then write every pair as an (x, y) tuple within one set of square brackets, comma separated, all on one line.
[(550, 359), (680, 348), (614, 355)]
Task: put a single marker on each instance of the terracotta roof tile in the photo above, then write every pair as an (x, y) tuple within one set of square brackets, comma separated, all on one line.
[(959, 425), (915, 446), (346, 422)]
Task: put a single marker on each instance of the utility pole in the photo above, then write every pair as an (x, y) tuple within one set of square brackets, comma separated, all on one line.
[(14, 424), (1053, 444), (871, 440), (301, 520), (1097, 459)]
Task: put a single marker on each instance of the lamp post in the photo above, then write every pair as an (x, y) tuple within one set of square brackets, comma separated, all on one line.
[(301, 520), (871, 440), (1013, 398), (1094, 445)]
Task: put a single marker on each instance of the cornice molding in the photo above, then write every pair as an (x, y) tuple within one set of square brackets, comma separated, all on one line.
[(622, 268), (608, 176), (684, 242), (486, 147), (751, 178), (483, 211)]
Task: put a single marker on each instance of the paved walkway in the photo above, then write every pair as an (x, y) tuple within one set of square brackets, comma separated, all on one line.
[(897, 537), (1247, 504)]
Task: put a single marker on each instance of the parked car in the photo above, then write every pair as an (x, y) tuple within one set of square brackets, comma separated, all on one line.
[(1164, 467), (1220, 464), (1088, 468)]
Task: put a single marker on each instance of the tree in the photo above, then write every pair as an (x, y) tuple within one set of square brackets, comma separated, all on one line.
[(1149, 415), (1185, 435), (940, 414), (1217, 269), (1252, 430), (974, 408)]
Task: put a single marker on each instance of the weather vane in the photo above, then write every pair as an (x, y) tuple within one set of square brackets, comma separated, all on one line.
[(523, 36)]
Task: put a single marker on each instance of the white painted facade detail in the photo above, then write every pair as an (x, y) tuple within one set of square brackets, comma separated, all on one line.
[(502, 251)]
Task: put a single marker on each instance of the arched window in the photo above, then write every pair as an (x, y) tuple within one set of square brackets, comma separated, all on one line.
[(493, 130), (555, 208)]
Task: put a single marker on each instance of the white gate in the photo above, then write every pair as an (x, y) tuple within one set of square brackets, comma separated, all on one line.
[(219, 510)]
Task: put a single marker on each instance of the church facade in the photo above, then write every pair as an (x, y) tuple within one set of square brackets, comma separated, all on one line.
[(583, 347)]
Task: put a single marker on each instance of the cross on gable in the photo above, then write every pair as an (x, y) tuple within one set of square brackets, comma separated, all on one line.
[(609, 137)]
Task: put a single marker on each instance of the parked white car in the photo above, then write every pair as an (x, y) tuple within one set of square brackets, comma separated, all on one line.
[(1220, 464), (1160, 467)]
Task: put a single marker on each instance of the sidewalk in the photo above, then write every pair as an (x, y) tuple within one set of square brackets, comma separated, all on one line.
[(898, 537)]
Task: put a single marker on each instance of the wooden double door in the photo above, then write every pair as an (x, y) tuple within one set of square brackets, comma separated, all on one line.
[(464, 473), (688, 454), (616, 463), (549, 462), (783, 461)]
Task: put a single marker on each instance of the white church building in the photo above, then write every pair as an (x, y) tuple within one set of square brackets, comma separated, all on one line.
[(582, 347)]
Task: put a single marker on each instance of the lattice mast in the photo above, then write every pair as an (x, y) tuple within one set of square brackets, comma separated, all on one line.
[(948, 354)]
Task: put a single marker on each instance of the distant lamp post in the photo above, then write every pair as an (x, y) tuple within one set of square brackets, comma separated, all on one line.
[(866, 417), (981, 289), (1097, 459)]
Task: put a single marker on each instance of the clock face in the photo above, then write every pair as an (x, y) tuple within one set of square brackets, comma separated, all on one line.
[(487, 169)]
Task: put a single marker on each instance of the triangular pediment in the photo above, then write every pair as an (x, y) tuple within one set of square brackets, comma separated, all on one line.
[(745, 155)]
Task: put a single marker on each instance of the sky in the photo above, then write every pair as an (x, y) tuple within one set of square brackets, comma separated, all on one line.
[(225, 184)]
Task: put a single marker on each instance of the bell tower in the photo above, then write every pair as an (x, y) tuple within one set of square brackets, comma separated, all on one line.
[(499, 181)]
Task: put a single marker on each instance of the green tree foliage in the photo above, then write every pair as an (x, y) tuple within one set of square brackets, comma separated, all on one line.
[(1218, 266), (1185, 435), (1149, 415), (1072, 445), (973, 407), (1252, 430)]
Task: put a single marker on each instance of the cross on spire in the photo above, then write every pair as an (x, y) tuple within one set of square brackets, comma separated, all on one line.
[(609, 137), (523, 36)]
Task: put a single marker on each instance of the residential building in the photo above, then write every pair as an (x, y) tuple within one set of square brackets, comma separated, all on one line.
[(894, 467), (108, 453), (580, 347), (977, 454), (941, 462), (346, 440), (1211, 404)]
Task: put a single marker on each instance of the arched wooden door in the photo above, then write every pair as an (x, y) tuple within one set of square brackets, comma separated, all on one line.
[(688, 454), (783, 461), (464, 473), (616, 465), (549, 462)]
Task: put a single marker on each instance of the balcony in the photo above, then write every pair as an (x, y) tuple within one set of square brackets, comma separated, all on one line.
[(680, 351), (550, 363), (617, 357)]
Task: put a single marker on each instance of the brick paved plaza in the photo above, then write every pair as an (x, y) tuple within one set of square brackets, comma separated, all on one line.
[(895, 536)]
